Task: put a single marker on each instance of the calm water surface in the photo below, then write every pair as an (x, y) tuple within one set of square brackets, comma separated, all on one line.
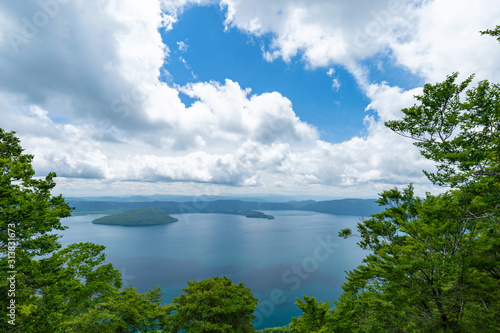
[(298, 253)]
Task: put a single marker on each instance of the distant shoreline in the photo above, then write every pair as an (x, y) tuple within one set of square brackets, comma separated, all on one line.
[(355, 207)]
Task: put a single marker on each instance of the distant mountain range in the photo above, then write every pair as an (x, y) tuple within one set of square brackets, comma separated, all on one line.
[(184, 198), (357, 207)]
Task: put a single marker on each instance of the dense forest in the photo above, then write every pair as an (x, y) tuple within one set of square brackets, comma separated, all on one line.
[(434, 262)]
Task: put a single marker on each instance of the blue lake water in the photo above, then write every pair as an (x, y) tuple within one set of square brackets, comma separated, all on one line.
[(298, 253)]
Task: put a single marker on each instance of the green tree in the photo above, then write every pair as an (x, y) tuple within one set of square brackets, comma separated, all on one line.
[(422, 273), (126, 311), (26, 204), (462, 135), (315, 317), (450, 131), (66, 284), (214, 305), (47, 285), (28, 215)]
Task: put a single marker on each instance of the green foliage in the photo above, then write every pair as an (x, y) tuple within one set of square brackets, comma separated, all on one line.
[(26, 203), (214, 305), (422, 272), (125, 311), (48, 285), (315, 317), (28, 215), (137, 217), (280, 329), (461, 136), (434, 264), (495, 32), (66, 285)]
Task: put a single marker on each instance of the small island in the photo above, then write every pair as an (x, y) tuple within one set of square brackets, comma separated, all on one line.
[(254, 214), (137, 217)]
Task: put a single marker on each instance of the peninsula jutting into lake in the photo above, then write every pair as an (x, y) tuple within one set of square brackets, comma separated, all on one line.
[(255, 214)]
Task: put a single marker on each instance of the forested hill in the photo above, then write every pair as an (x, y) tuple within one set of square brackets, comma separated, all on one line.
[(357, 207), (137, 217)]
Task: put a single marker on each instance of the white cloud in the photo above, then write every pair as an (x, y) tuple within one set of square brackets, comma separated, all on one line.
[(172, 9), (182, 46), (335, 81), (430, 38), (240, 154), (443, 43), (181, 59), (323, 32), (388, 101), (229, 113), (84, 59), (335, 84)]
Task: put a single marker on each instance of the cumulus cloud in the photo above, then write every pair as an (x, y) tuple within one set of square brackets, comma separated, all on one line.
[(422, 38), (322, 32), (415, 34), (82, 60), (441, 44), (232, 113)]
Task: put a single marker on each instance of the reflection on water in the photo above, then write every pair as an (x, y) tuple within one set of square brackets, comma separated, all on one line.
[(297, 253)]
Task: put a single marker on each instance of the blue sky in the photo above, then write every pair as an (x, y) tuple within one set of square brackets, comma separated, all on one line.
[(220, 97), (215, 54)]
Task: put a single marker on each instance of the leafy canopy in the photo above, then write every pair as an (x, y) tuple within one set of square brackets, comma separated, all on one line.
[(125, 311), (214, 305), (315, 316), (460, 135), (26, 203)]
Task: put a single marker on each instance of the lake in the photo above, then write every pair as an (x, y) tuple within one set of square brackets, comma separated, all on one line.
[(298, 253)]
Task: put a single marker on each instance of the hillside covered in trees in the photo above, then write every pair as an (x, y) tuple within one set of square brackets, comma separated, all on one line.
[(137, 217)]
